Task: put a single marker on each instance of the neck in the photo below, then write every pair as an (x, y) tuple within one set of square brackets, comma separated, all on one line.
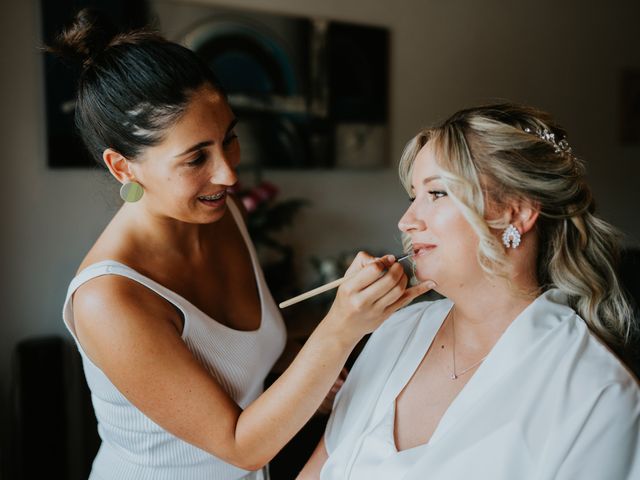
[(163, 234), (484, 311)]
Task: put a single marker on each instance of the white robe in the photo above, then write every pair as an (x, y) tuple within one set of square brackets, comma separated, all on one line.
[(549, 402)]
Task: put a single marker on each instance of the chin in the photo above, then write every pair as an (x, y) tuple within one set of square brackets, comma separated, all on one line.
[(424, 274), (210, 216), (209, 219), (201, 219)]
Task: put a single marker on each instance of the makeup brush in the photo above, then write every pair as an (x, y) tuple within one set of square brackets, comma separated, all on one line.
[(329, 286)]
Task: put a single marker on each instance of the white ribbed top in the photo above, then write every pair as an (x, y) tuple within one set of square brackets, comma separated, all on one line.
[(133, 446)]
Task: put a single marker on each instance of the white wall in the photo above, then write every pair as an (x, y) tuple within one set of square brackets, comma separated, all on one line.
[(561, 56), (450, 54)]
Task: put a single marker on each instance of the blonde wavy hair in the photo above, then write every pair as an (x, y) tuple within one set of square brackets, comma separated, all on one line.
[(492, 155)]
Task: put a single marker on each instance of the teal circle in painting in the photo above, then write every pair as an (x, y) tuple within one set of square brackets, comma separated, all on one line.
[(131, 192)]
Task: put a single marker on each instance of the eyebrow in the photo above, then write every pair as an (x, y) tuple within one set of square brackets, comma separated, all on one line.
[(207, 143), (427, 180)]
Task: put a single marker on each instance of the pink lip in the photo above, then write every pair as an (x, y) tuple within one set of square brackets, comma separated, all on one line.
[(422, 248)]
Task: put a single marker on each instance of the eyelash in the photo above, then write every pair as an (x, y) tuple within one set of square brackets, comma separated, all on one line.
[(436, 194), (230, 139), (202, 156), (199, 160)]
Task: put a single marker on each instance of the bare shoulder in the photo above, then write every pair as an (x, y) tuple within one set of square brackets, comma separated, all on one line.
[(112, 309), (127, 331), (117, 292)]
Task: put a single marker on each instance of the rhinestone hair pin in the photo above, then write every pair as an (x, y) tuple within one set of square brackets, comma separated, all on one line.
[(560, 146)]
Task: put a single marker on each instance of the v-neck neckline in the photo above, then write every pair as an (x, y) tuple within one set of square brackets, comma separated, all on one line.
[(486, 374), (168, 293), (417, 353)]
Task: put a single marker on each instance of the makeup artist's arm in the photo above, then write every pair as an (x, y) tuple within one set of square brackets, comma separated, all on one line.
[(130, 333), (291, 349)]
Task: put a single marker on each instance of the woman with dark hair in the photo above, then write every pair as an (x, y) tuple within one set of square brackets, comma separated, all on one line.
[(512, 375), (169, 308)]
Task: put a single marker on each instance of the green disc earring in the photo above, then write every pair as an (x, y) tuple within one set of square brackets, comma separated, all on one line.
[(131, 192)]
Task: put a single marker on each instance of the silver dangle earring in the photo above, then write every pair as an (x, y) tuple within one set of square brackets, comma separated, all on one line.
[(131, 192), (511, 237)]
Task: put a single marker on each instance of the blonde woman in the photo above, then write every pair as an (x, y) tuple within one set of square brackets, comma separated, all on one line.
[(512, 375)]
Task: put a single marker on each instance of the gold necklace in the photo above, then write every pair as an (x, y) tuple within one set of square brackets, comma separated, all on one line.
[(454, 374)]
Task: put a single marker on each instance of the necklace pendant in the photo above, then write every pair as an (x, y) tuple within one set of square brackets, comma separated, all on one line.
[(454, 376)]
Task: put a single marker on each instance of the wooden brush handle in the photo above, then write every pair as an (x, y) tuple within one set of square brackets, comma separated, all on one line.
[(313, 293), (330, 285)]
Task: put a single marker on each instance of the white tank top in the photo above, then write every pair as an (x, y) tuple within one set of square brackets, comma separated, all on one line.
[(133, 446)]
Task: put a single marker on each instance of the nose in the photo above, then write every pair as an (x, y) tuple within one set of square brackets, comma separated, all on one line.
[(224, 172), (409, 222)]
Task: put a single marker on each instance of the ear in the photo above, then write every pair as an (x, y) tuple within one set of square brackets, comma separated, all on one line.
[(524, 215), (118, 165)]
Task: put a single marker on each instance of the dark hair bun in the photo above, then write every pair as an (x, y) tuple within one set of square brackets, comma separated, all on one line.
[(89, 34)]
